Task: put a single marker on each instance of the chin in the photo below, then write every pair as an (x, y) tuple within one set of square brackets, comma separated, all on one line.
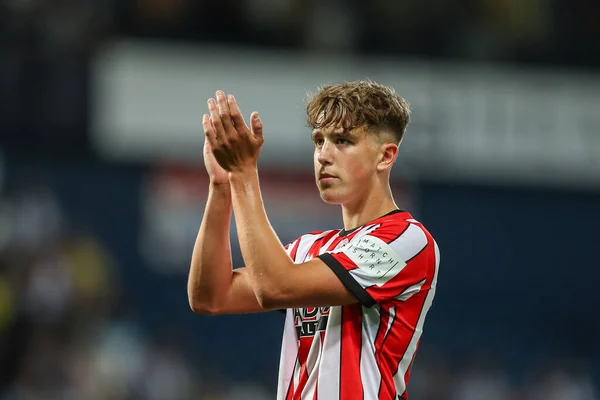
[(330, 197)]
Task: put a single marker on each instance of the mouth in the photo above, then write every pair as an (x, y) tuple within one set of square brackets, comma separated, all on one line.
[(326, 177)]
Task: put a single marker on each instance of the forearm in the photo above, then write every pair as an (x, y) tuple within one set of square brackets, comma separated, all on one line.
[(211, 267), (264, 255)]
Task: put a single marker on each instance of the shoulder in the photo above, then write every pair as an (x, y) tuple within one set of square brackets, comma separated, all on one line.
[(391, 226), (314, 235), (304, 243), (399, 230)]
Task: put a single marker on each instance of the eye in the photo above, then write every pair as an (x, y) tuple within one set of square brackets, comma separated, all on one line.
[(318, 141), (343, 141)]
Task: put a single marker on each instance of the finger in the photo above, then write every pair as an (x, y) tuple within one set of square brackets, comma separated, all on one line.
[(215, 119), (209, 130), (224, 113), (236, 115), (207, 125), (257, 126)]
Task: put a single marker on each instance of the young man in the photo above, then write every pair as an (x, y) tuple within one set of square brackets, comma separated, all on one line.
[(357, 297)]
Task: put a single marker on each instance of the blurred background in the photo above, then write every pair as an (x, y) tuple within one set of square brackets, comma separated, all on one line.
[(102, 187)]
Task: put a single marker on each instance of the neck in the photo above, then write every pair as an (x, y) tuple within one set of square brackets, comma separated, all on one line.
[(378, 203)]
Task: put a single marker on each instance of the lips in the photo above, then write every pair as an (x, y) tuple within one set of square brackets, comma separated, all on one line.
[(326, 176)]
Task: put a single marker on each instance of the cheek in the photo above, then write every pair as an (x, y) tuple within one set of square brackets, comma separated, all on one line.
[(357, 168)]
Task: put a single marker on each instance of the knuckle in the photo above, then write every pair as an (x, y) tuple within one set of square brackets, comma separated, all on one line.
[(232, 140)]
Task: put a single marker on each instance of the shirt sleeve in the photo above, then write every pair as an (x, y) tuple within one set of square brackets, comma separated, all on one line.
[(392, 260)]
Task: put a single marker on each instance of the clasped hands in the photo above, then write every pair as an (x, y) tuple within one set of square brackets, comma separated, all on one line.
[(228, 140)]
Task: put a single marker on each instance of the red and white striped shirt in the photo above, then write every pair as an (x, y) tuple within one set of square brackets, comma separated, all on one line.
[(362, 351)]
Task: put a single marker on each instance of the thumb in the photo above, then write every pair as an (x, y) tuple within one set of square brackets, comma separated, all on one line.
[(206, 148), (256, 124)]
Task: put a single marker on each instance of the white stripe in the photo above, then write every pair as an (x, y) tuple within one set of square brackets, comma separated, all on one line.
[(369, 372), (306, 242), (312, 361), (296, 375), (329, 373), (410, 291), (326, 246), (391, 319), (289, 352), (290, 247), (412, 346), (410, 243)]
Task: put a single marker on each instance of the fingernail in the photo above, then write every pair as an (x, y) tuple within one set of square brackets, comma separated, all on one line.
[(231, 98), (220, 93)]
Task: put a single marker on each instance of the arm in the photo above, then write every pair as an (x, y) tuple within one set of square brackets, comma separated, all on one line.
[(213, 287), (277, 281)]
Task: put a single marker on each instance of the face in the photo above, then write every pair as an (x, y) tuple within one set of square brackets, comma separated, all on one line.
[(346, 163)]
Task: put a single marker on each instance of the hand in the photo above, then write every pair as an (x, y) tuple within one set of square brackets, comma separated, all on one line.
[(235, 147), (216, 173)]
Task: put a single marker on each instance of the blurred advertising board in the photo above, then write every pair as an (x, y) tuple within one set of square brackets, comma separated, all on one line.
[(473, 123)]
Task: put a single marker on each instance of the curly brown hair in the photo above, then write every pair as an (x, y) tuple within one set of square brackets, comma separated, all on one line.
[(361, 104)]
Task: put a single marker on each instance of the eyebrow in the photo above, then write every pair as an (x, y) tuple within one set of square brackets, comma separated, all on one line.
[(345, 133)]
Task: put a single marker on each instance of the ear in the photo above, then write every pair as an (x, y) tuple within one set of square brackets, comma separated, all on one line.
[(388, 152)]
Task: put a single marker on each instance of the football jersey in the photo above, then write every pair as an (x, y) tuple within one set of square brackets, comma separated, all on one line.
[(362, 351)]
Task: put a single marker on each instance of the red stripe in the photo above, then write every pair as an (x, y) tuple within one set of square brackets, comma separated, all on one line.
[(315, 250), (380, 341), (303, 350), (390, 230), (396, 344), (295, 250), (413, 272), (383, 323), (346, 262), (351, 344), (335, 241), (402, 331)]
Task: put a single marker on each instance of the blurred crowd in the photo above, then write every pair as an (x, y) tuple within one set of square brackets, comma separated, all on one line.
[(66, 331), (548, 31)]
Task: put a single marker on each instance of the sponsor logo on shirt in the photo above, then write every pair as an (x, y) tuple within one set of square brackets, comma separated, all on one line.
[(309, 321)]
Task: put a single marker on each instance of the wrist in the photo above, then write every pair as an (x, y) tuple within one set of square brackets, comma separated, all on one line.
[(242, 176), (219, 186)]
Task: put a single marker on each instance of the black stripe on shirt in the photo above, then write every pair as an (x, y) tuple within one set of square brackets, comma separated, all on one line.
[(349, 282)]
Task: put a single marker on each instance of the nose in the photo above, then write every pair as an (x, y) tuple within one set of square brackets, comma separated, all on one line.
[(325, 155)]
